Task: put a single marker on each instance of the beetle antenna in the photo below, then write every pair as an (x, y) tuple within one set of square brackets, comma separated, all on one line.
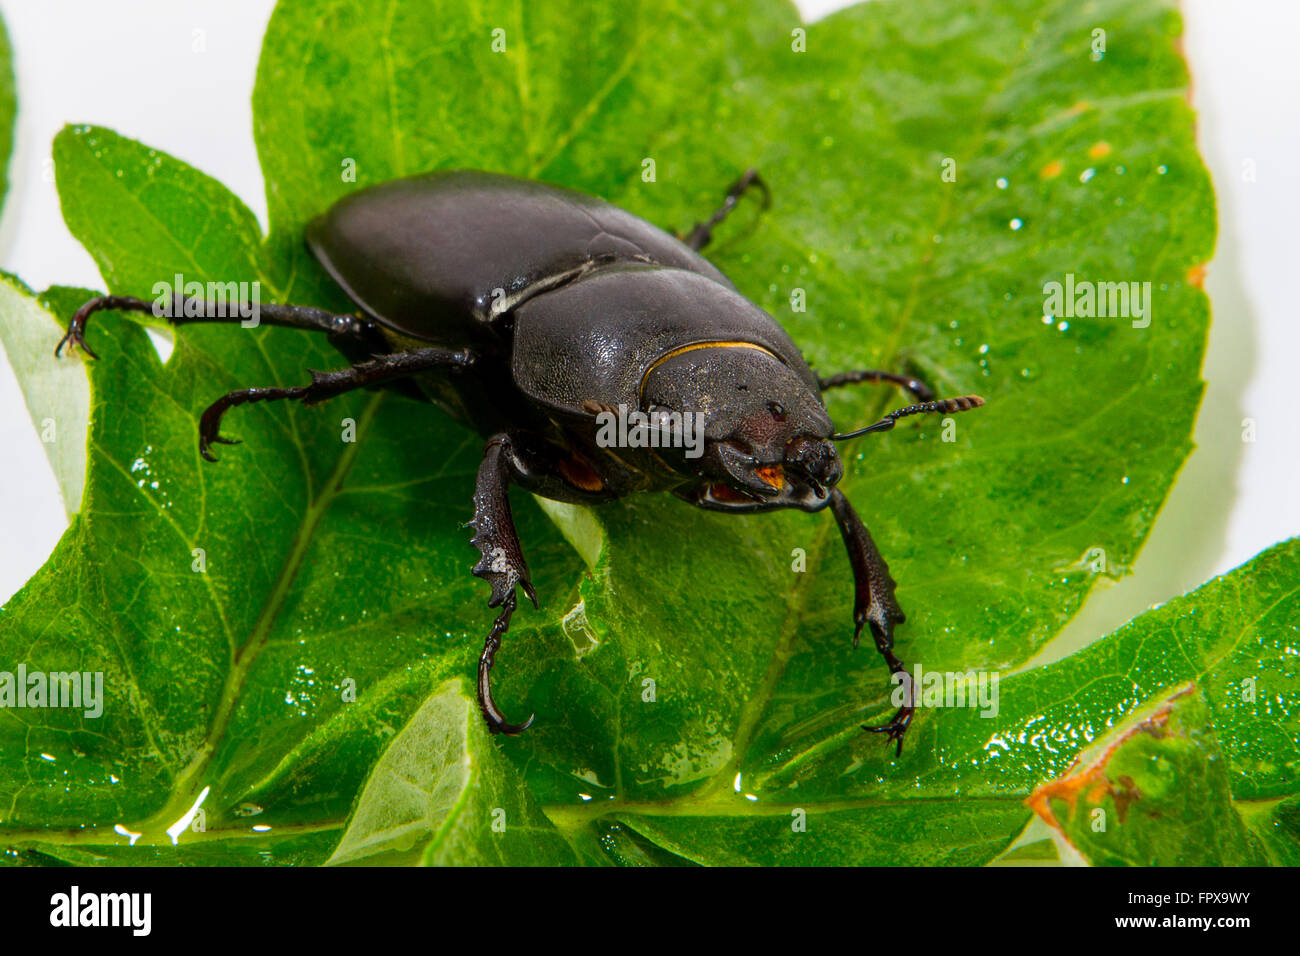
[(945, 405)]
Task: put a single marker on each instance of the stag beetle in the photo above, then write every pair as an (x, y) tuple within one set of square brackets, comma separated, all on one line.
[(531, 312)]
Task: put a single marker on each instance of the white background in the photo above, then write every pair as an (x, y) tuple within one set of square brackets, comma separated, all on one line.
[(130, 65)]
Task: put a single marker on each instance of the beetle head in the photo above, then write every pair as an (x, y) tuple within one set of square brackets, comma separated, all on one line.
[(765, 432)]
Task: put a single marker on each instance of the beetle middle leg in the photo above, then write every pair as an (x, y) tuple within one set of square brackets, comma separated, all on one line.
[(344, 330), (502, 564), (700, 236), (326, 385), (874, 605)]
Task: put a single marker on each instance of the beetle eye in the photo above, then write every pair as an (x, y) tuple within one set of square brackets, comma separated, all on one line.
[(777, 410)]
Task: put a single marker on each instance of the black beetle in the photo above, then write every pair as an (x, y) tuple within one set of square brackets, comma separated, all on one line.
[(533, 312)]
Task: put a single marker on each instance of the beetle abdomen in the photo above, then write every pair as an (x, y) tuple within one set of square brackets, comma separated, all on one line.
[(435, 256), (595, 339)]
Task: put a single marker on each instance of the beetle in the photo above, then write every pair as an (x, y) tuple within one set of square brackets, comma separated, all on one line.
[(530, 312)]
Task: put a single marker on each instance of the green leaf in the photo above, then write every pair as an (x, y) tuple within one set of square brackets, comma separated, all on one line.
[(1165, 766), (56, 393), (232, 677), (56, 398), (442, 793), (8, 107), (1189, 716), (681, 664), (1238, 735)]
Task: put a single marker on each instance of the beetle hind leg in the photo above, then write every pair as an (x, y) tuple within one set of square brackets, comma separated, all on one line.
[(700, 236), (874, 606), (502, 564)]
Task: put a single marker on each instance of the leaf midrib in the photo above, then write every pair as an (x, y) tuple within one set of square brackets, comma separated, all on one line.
[(186, 785)]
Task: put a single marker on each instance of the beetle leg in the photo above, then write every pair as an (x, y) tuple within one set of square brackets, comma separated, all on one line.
[(502, 563), (700, 236), (326, 385), (874, 605), (918, 388), (341, 328)]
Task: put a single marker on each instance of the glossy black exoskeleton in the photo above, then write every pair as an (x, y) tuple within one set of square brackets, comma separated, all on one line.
[(535, 314)]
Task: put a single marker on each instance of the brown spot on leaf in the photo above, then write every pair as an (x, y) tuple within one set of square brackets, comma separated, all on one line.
[(1126, 793), (1091, 781)]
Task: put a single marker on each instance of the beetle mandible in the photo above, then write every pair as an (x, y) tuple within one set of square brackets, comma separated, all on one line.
[(530, 312)]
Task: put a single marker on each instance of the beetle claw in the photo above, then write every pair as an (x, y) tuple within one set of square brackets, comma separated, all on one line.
[(210, 428), (496, 720), (499, 726), (207, 441), (75, 337), (895, 729), (74, 340)]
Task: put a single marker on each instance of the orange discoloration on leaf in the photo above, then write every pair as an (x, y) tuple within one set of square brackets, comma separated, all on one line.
[(1052, 170), (1196, 275), (1091, 781), (1099, 149), (1065, 788), (1099, 790)]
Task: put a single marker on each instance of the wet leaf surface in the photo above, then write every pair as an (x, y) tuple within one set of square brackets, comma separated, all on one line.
[(698, 698)]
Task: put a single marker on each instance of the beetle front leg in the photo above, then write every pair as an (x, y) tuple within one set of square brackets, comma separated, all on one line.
[(874, 605), (502, 564)]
